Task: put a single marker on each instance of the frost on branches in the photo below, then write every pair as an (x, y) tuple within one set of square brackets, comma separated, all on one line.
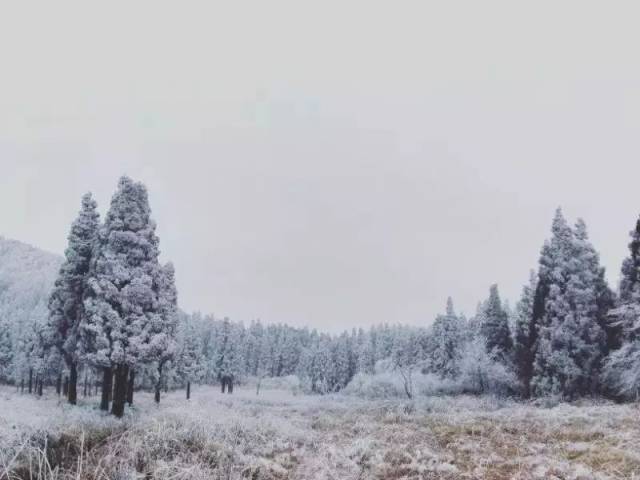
[(622, 369), (128, 303), (65, 304)]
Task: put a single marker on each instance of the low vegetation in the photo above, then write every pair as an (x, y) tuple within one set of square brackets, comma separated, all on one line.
[(282, 435)]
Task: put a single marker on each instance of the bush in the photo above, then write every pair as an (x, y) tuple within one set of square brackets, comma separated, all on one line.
[(389, 385), (480, 374)]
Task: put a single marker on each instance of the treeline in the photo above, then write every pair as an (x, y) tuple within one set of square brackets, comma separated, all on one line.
[(113, 322), (569, 335)]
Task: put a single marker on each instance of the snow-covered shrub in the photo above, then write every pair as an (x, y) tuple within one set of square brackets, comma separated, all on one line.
[(429, 385), (480, 373), (622, 370), (389, 385), (378, 386)]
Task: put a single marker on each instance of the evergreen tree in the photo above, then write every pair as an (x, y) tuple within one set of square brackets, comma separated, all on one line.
[(66, 302), (571, 342), (622, 368), (525, 335), (447, 337), (162, 325), (495, 328), (122, 300), (189, 358), (228, 359)]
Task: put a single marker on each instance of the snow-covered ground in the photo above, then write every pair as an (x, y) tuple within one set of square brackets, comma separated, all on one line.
[(280, 435)]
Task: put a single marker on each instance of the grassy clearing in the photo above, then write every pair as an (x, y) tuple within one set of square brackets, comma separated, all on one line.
[(281, 436)]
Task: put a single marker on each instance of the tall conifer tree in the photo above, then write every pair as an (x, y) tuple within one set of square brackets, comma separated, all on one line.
[(66, 302)]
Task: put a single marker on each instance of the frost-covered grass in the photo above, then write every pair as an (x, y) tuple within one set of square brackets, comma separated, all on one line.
[(279, 435)]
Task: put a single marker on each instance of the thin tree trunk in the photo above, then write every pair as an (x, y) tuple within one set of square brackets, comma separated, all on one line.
[(120, 390), (84, 391), (73, 383), (106, 389), (39, 384), (113, 384), (188, 390), (31, 380), (59, 384), (65, 387), (158, 384), (132, 379), (22, 385)]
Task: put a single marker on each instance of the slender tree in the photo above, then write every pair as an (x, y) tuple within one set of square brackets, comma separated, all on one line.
[(525, 335), (495, 328), (66, 302), (446, 340), (622, 368)]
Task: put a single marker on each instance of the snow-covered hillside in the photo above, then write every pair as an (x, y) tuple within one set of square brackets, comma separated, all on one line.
[(26, 277)]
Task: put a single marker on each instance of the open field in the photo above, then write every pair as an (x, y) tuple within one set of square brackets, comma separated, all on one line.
[(279, 435)]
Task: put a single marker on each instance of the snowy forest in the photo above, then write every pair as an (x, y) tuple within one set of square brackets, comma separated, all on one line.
[(104, 321)]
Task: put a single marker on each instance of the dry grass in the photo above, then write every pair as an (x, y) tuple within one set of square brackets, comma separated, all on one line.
[(280, 436)]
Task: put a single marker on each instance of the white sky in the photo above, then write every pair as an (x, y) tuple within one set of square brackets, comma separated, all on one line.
[(331, 164)]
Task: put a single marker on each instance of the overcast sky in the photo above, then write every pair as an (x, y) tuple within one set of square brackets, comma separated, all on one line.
[(331, 164)]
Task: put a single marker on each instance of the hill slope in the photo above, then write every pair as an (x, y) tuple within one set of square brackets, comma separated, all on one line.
[(26, 277)]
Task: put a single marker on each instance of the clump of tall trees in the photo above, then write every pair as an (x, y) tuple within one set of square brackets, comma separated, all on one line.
[(113, 308)]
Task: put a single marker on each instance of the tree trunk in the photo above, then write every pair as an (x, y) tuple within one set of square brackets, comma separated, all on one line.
[(120, 390), (73, 383), (188, 390), (22, 385), (113, 384), (31, 380), (106, 389), (158, 384), (65, 387), (132, 379), (59, 384), (84, 391), (39, 383)]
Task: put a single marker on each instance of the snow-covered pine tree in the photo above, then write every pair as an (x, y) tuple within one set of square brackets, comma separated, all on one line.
[(341, 362), (162, 325), (228, 360), (252, 344), (446, 339), (622, 368), (525, 335), (571, 342), (66, 301), (190, 355), (495, 328), (591, 299), (367, 353), (121, 300)]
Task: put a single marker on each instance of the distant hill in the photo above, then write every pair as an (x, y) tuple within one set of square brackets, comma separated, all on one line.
[(26, 278)]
